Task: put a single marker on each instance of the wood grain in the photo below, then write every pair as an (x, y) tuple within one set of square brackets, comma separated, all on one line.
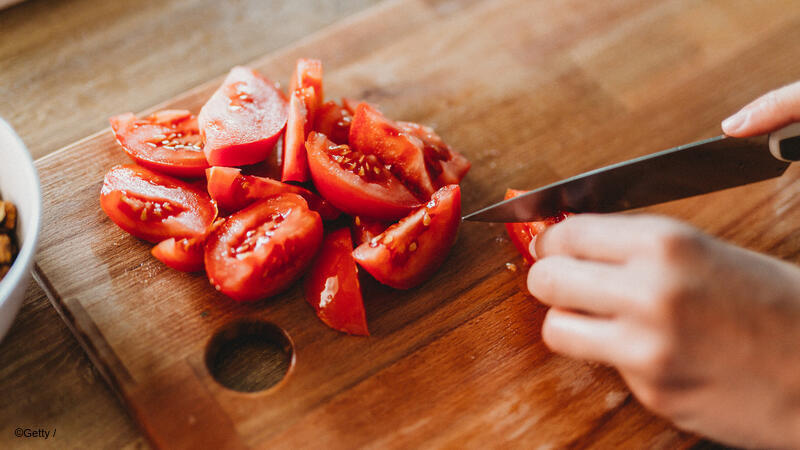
[(531, 92)]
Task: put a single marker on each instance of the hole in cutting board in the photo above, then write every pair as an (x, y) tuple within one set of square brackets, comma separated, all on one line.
[(249, 356)]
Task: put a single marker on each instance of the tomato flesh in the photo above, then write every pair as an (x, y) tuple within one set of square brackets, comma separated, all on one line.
[(308, 73), (298, 125), (334, 121), (444, 165), (155, 207), (356, 183), (410, 251), (185, 255), (332, 286), (364, 229), (166, 141), (243, 119), (261, 250), (521, 234), (233, 191)]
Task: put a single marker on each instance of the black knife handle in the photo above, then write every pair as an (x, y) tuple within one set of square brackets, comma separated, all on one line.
[(784, 144)]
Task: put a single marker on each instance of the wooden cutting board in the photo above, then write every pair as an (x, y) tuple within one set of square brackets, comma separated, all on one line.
[(530, 92)]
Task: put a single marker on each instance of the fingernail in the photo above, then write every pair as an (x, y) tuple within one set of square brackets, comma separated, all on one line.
[(735, 122), (532, 247)]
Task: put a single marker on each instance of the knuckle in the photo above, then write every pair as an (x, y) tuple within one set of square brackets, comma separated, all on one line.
[(677, 242), (657, 399)]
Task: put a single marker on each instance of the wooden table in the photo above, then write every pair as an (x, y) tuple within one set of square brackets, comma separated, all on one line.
[(45, 377)]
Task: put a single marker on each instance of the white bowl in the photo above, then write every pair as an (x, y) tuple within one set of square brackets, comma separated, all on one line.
[(19, 184)]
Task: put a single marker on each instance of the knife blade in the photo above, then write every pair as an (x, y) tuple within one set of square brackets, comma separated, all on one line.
[(693, 169)]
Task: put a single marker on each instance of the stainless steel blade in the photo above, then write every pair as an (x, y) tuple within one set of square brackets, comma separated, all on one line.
[(698, 168)]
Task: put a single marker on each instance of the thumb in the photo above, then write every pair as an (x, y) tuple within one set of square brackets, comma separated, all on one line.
[(767, 113)]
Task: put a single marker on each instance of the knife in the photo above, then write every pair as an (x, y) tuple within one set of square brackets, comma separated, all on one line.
[(698, 168)]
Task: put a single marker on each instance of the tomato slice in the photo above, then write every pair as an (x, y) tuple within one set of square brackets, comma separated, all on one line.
[(410, 251), (332, 286), (365, 229), (373, 134), (185, 255), (155, 207), (233, 191), (167, 141), (444, 165), (521, 234), (356, 183), (298, 125), (308, 73), (261, 250), (333, 121), (243, 119)]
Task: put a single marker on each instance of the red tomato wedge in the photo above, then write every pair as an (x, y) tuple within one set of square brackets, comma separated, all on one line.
[(167, 141), (445, 166), (332, 286), (308, 73), (410, 251), (261, 250), (298, 125), (185, 255), (373, 134), (155, 207), (243, 119), (356, 183), (365, 229), (333, 121), (233, 191), (521, 234)]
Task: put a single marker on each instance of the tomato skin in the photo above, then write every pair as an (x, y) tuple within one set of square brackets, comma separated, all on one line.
[(298, 125), (410, 251), (381, 197), (233, 191), (332, 286), (166, 141), (334, 121), (243, 119), (185, 255), (155, 207), (364, 229), (261, 250), (521, 234)]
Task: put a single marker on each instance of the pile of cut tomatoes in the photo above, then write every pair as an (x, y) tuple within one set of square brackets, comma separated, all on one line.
[(356, 189)]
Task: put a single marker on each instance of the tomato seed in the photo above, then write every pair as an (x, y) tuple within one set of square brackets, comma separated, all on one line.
[(412, 246)]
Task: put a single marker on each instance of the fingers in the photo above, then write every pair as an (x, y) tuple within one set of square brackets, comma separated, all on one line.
[(583, 337), (595, 288), (606, 238), (767, 113)]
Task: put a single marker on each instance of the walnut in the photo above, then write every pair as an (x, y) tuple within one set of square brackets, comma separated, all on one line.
[(8, 216), (6, 249)]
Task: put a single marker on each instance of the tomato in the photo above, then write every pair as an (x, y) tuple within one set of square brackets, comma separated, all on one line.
[(233, 191), (333, 121), (332, 286), (261, 250), (356, 183), (155, 207), (444, 165), (409, 252), (298, 125), (521, 234), (416, 155), (365, 229), (308, 73), (167, 141), (185, 255), (243, 119)]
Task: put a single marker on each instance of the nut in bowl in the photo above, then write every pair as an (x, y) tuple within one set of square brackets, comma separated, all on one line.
[(19, 186)]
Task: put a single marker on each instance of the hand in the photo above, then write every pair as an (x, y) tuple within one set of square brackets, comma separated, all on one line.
[(767, 113), (705, 333)]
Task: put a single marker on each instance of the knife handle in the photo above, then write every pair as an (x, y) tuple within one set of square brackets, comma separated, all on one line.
[(784, 144)]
